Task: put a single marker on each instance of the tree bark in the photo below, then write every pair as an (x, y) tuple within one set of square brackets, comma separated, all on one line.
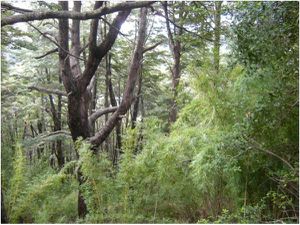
[(77, 101), (59, 147), (106, 95), (137, 100)]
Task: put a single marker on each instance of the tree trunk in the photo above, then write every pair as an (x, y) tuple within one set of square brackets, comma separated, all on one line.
[(118, 146), (137, 100), (40, 149), (107, 77), (175, 82), (76, 83), (78, 101), (59, 148), (217, 34), (3, 211), (93, 101), (106, 103), (175, 48)]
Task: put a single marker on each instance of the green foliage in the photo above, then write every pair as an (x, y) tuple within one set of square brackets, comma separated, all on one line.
[(41, 195), (98, 188), (52, 195)]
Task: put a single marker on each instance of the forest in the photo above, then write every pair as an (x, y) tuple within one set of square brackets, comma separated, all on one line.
[(149, 112)]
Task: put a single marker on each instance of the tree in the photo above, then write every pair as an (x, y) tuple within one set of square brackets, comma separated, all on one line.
[(76, 82)]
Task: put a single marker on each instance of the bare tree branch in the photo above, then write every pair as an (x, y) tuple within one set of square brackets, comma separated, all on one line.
[(83, 48), (47, 53), (65, 72), (101, 112), (258, 146), (48, 91), (109, 24), (14, 8), (170, 36), (54, 42), (152, 47), (75, 42), (181, 27), (31, 16), (94, 28)]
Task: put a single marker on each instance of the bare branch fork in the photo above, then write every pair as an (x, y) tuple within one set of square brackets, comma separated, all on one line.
[(54, 42)]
